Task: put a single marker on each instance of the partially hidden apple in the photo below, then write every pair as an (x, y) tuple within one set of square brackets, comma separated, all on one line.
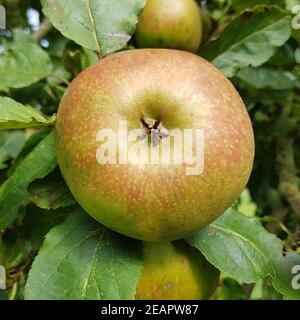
[(175, 271), (169, 24), (174, 104)]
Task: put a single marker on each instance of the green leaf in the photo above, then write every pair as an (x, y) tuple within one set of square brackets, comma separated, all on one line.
[(38, 222), (101, 25), (297, 55), (246, 204), (23, 62), (263, 290), (14, 142), (3, 295), (249, 40), (239, 5), (13, 192), (286, 126), (30, 144), (57, 44), (16, 249), (51, 192), (296, 35), (80, 259), (14, 115), (282, 275), (291, 3), (59, 74), (242, 248), (283, 57), (11, 144), (229, 289), (266, 78)]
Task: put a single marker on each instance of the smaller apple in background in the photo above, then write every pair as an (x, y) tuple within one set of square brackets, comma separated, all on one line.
[(176, 271), (169, 24)]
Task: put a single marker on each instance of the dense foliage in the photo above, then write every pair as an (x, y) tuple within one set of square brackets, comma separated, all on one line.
[(49, 247)]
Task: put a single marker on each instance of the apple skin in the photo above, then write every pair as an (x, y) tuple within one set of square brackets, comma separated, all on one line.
[(169, 24), (176, 271), (154, 203)]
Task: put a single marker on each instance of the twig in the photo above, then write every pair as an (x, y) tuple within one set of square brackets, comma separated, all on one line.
[(14, 290), (16, 273), (277, 222), (2, 260), (287, 170), (43, 30), (62, 79), (279, 213)]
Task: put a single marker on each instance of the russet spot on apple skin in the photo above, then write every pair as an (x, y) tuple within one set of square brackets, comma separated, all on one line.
[(154, 202)]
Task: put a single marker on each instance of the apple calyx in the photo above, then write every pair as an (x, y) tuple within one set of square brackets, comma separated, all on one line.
[(153, 132)]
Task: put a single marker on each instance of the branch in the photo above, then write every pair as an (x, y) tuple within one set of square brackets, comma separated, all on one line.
[(288, 179), (43, 30)]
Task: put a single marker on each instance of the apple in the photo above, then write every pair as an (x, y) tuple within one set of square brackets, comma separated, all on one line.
[(175, 271), (169, 24), (169, 97)]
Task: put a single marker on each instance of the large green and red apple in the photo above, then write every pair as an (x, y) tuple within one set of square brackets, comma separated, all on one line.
[(172, 90)]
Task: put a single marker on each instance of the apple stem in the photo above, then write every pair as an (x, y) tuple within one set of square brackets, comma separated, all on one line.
[(147, 126)]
